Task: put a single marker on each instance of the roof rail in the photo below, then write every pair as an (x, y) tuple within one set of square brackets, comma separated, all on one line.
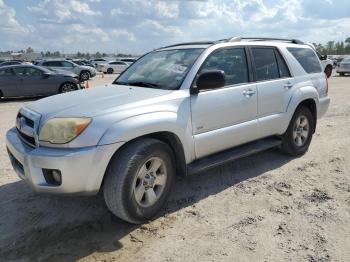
[(190, 43), (238, 39)]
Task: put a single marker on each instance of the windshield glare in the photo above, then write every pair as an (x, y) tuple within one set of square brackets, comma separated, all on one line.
[(160, 69)]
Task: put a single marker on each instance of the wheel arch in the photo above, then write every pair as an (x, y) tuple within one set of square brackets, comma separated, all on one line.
[(306, 96)]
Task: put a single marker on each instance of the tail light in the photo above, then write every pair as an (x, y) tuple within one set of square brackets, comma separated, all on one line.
[(327, 83)]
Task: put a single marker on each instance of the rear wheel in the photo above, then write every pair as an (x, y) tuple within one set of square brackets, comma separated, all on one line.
[(110, 71), (68, 87), (298, 136), (138, 180), (328, 71)]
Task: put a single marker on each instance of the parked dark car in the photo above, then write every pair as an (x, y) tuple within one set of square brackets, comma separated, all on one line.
[(30, 80), (12, 62)]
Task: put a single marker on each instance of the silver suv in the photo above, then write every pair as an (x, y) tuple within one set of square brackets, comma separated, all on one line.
[(84, 72), (176, 111)]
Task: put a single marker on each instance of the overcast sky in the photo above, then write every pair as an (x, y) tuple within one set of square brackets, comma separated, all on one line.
[(139, 25)]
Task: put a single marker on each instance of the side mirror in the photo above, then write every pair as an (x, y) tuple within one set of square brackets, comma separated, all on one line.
[(323, 57), (46, 75), (209, 80)]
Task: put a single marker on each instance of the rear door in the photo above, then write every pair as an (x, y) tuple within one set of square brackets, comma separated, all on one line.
[(225, 117), (8, 83), (275, 87)]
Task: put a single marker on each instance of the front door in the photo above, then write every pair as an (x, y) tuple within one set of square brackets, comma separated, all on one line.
[(225, 117)]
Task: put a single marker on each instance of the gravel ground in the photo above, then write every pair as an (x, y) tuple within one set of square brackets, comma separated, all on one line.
[(266, 207)]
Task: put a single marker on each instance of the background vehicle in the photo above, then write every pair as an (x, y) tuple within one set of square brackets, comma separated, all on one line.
[(327, 64), (11, 62), (113, 67), (178, 110), (84, 72), (343, 67), (98, 61), (83, 62), (30, 80), (128, 60)]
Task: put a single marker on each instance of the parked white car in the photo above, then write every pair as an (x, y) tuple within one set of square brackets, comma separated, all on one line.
[(114, 67)]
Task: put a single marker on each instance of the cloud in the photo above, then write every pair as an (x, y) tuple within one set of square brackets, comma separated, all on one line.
[(9, 25), (139, 25), (122, 33)]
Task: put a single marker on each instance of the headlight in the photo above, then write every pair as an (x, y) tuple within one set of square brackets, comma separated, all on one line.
[(63, 130)]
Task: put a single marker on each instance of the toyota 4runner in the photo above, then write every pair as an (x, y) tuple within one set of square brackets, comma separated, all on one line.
[(177, 110)]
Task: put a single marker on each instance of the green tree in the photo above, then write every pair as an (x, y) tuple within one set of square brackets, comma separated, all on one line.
[(29, 50)]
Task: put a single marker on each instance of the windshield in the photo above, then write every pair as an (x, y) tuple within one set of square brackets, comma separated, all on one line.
[(160, 69)]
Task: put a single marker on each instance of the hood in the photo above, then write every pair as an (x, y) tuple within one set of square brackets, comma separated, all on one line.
[(89, 68), (95, 101)]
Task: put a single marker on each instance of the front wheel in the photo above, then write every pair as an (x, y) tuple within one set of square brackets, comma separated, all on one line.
[(110, 71), (68, 87), (138, 180), (298, 136), (84, 76)]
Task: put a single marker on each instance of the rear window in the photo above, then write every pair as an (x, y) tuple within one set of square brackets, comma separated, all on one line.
[(307, 59)]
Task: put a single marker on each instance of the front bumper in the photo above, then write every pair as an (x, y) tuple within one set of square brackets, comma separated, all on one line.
[(82, 169)]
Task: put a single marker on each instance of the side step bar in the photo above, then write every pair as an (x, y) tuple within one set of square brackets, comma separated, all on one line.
[(231, 154)]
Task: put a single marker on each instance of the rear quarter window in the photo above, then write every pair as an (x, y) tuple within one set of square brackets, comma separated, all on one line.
[(307, 59)]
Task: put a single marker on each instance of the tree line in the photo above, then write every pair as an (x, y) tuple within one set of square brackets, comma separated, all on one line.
[(334, 48)]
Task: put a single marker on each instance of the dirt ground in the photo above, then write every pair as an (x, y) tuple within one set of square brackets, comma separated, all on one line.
[(266, 207)]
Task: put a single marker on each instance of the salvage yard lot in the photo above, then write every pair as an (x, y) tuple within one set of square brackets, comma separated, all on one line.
[(266, 207)]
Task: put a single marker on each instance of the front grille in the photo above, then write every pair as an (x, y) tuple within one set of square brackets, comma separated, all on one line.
[(27, 124), (28, 139)]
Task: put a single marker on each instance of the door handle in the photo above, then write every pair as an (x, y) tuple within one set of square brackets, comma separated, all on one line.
[(288, 85), (248, 92)]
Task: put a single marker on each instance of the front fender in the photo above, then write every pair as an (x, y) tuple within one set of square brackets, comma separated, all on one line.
[(145, 124)]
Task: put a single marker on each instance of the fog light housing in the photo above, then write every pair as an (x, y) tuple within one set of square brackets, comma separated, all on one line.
[(53, 177)]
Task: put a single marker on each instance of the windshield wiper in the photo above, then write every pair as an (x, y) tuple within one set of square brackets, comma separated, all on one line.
[(121, 83), (143, 84)]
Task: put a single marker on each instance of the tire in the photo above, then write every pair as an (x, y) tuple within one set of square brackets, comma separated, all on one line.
[(124, 178), (84, 76), (342, 74), (291, 144), (328, 71), (68, 87), (110, 71)]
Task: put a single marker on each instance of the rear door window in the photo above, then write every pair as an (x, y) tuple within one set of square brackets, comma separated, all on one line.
[(66, 64), (282, 66), (266, 67), (6, 72), (307, 58), (52, 64)]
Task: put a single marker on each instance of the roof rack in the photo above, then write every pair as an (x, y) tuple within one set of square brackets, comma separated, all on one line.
[(238, 39), (190, 43)]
